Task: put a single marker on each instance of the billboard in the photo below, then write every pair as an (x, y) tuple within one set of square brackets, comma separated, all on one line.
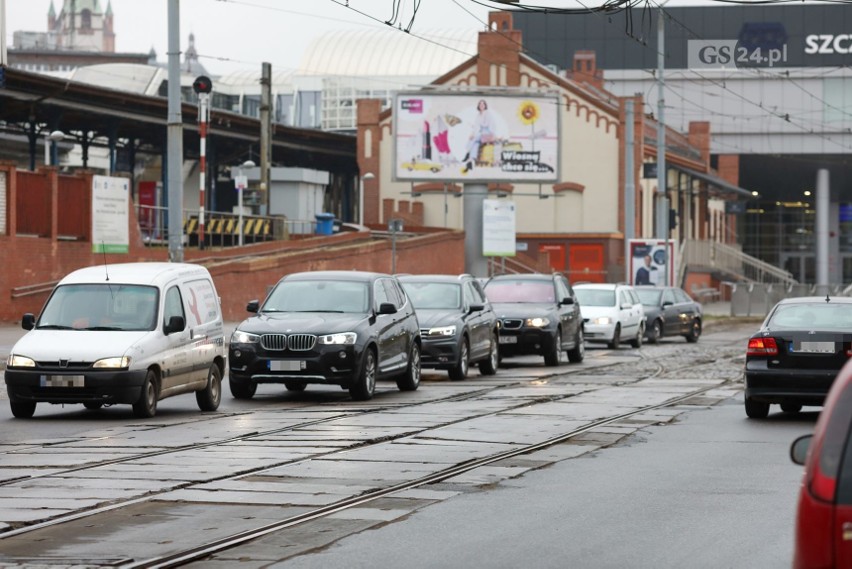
[(476, 137), (649, 262)]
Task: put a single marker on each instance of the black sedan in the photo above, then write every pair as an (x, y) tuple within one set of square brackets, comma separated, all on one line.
[(457, 325), (669, 311), (793, 358), (539, 314), (346, 328)]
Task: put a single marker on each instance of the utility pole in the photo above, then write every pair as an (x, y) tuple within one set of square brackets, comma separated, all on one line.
[(175, 139), (3, 61), (629, 187), (265, 135), (662, 225)]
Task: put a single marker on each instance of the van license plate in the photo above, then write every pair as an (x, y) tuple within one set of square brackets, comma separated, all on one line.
[(63, 381), (286, 365), (508, 339)]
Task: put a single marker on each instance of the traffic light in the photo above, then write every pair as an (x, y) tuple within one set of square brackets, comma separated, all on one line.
[(672, 219), (202, 84)]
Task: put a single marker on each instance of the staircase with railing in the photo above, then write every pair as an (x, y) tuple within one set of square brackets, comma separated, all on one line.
[(710, 255)]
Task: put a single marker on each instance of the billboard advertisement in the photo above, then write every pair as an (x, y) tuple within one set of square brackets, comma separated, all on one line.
[(476, 137), (649, 262), (110, 214)]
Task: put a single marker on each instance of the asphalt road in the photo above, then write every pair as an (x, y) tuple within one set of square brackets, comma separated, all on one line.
[(713, 490)]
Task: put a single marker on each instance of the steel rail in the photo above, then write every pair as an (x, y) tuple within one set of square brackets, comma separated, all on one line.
[(200, 552)]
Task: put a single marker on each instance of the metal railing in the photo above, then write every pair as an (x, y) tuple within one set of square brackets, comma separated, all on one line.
[(221, 228), (732, 260), (756, 299)]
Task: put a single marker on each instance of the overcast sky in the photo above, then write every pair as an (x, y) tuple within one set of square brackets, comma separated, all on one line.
[(240, 34), (233, 35)]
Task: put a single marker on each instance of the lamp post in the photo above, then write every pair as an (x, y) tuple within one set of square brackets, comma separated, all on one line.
[(367, 176), (241, 183), (49, 139)]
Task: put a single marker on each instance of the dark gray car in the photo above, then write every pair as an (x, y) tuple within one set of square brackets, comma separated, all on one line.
[(457, 324), (669, 311), (539, 314)]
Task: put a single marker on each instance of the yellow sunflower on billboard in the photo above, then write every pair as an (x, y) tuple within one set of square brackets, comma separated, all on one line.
[(528, 112)]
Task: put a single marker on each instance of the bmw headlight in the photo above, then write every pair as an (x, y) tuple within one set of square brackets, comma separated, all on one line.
[(342, 339), (240, 337), (602, 320), (539, 322), (442, 331), (19, 361), (113, 363)]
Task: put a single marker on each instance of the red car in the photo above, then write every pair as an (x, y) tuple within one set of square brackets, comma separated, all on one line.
[(824, 519)]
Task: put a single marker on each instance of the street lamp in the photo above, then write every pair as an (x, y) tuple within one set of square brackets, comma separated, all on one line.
[(241, 182), (49, 139), (367, 176)]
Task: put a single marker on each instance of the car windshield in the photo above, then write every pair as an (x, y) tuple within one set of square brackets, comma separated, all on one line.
[(319, 296), (649, 296), (520, 290), (595, 296), (101, 307), (822, 316), (433, 295)]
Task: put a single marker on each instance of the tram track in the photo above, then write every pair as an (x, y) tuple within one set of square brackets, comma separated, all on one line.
[(645, 367)]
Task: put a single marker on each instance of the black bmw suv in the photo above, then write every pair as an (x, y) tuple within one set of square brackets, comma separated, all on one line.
[(347, 328), (457, 325), (539, 314)]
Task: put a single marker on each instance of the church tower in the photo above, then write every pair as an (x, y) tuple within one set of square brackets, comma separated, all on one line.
[(82, 26)]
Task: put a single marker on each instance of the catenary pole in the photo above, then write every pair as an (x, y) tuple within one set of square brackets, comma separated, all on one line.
[(175, 138)]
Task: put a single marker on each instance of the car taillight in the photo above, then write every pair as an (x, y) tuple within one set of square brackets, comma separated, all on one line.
[(762, 347)]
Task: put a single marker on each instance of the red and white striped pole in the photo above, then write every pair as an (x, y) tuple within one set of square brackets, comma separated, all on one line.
[(203, 114)]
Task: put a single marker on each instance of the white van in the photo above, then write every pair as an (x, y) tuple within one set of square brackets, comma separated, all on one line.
[(130, 333)]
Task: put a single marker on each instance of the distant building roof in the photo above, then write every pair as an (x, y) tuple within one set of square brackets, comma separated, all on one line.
[(382, 52)]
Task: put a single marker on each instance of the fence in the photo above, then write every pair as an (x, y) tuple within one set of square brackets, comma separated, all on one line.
[(756, 299), (220, 229)]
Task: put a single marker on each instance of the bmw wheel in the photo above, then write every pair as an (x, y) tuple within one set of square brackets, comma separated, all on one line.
[(365, 384), (459, 371)]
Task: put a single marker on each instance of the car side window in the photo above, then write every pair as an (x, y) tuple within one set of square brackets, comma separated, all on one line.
[(562, 290), (634, 296), (174, 305), (681, 296), (469, 295), (668, 296), (395, 292), (380, 295), (624, 299), (478, 292)]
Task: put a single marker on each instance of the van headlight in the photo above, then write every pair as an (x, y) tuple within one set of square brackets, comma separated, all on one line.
[(442, 331), (240, 337), (15, 360), (539, 322), (113, 363), (344, 338)]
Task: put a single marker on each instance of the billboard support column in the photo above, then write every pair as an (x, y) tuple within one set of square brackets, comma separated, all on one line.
[(474, 261)]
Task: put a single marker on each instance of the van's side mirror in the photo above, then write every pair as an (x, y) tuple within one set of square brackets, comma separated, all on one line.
[(253, 306), (799, 449), (175, 324), (387, 308), (28, 321)]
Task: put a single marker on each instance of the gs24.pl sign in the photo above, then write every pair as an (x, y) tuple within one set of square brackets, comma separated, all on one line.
[(714, 54)]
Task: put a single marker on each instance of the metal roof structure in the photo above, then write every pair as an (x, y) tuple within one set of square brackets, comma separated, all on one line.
[(31, 104)]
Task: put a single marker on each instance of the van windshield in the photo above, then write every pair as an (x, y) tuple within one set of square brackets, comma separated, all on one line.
[(101, 307)]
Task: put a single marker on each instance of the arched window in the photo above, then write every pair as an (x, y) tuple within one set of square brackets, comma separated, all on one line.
[(86, 19)]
